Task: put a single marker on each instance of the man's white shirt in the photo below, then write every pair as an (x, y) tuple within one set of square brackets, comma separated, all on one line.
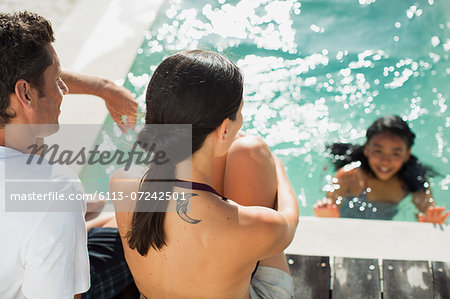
[(43, 254)]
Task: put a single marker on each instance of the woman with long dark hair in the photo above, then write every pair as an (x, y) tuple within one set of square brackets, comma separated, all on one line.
[(204, 245)]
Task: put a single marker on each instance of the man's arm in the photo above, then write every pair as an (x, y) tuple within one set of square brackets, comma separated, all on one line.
[(118, 100)]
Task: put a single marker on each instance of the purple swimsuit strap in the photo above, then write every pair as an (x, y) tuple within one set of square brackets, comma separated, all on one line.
[(198, 186)]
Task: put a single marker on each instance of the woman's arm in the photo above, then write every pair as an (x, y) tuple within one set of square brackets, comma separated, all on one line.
[(287, 204), (267, 231)]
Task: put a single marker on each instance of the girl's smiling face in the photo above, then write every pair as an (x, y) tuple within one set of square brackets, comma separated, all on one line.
[(386, 154)]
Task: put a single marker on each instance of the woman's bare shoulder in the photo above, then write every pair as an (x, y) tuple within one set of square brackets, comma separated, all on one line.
[(122, 185), (127, 180)]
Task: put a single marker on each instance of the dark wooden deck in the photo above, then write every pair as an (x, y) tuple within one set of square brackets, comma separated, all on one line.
[(324, 277)]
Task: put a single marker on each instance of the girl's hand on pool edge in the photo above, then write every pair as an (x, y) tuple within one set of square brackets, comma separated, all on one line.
[(326, 208), (434, 215)]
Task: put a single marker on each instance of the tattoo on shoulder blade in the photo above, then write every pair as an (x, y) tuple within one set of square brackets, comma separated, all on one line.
[(182, 207)]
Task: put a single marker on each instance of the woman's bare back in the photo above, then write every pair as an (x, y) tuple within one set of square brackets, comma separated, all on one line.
[(201, 260)]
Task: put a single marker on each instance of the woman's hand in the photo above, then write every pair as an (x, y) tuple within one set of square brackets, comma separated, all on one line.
[(326, 208), (434, 215)]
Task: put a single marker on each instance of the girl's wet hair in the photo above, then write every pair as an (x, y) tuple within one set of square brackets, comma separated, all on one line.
[(392, 124), (413, 173), (196, 87)]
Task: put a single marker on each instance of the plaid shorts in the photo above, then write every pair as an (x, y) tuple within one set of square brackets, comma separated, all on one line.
[(109, 271)]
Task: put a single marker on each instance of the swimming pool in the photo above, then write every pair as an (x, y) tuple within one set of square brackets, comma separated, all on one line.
[(318, 72)]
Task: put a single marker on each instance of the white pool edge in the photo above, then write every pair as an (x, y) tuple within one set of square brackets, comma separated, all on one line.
[(358, 238), (100, 38)]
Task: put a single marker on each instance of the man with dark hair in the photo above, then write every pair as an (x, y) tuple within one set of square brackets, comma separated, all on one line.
[(26, 52), (24, 55), (44, 253)]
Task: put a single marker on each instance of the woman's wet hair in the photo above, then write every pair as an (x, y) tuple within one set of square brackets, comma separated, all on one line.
[(413, 173), (196, 87)]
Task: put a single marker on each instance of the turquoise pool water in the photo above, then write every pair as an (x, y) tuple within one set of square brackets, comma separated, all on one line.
[(318, 72)]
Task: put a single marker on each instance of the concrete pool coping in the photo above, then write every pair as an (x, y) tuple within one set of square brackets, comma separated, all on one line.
[(105, 44), (360, 238), (100, 38)]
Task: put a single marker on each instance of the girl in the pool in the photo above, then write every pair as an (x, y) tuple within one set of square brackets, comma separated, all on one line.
[(374, 178)]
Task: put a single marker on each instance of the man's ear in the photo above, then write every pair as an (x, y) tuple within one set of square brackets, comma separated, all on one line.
[(23, 92), (366, 151)]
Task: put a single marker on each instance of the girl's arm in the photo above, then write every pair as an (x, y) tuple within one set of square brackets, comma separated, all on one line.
[(424, 202), (338, 188)]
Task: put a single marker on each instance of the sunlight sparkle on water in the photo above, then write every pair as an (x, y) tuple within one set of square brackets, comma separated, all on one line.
[(446, 45), (267, 76), (445, 182), (271, 30), (306, 85), (366, 2), (413, 10), (435, 41)]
